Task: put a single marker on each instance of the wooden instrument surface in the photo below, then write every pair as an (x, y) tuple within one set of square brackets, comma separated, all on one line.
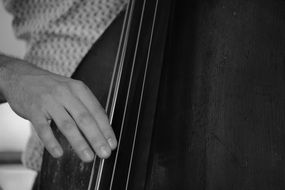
[(214, 105)]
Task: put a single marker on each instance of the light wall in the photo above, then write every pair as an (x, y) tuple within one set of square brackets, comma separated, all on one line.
[(14, 131)]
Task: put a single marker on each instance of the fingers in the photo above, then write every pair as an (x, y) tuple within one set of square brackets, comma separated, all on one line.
[(94, 107), (45, 133), (68, 128), (38, 95), (80, 118), (89, 126)]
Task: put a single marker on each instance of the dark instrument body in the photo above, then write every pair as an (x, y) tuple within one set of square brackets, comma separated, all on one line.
[(205, 108)]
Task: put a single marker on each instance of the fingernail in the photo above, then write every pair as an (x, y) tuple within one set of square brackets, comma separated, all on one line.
[(105, 151), (88, 155), (112, 143), (57, 152)]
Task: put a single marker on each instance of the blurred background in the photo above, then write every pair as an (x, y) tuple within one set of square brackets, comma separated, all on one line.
[(14, 131)]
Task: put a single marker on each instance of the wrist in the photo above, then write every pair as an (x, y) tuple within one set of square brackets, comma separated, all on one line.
[(4, 61)]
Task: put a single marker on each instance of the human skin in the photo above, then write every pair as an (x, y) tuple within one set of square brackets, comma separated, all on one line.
[(41, 96)]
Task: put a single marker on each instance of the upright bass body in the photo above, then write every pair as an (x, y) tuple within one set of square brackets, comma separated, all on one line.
[(197, 99)]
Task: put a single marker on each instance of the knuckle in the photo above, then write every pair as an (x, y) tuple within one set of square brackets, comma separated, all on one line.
[(45, 136), (79, 145), (84, 118), (78, 84), (107, 130), (60, 90), (67, 126), (96, 143), (41, 130)]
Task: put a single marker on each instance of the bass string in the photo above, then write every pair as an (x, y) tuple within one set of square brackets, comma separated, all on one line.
[(142, 93), (112, 93), (120, 58), (128, 91), (118, 81), (124, 38)]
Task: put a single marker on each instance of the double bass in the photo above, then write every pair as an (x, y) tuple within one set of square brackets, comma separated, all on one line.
[(131, 48), (195, 93)]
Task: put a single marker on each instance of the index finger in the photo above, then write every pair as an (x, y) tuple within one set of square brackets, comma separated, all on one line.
[(88, 126), (94, 107)]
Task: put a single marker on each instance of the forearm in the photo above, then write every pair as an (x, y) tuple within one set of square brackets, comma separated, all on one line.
[(4, 60), (7, 64)]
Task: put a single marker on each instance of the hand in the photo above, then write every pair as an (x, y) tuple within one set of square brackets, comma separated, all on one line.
[(40, 96)]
